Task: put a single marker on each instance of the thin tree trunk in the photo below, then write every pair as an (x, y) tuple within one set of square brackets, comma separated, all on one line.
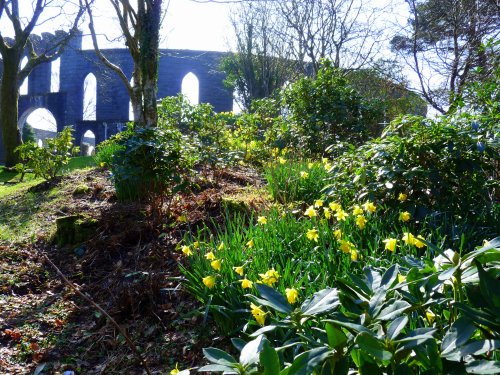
[(149, 61), (9, 107)]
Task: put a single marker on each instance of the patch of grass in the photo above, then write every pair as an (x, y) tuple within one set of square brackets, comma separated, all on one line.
[(80, 162), (9, 181), (21, 211)]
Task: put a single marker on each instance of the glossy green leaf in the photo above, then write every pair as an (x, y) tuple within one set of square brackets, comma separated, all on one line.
[(460, 331), (218, 356), (217, 368), (324, 301), (305, 363), (269, 359), (483, 367), (394, 310), (336, 337), (272, 298), (373, 346), (396, 326), (250, 352)]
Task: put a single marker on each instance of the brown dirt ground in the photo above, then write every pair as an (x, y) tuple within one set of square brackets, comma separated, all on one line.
[(129, 267)]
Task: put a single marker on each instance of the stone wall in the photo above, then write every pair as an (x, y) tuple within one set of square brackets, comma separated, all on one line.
[(112, 110)]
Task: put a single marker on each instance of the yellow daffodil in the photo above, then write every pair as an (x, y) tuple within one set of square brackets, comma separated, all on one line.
[(418, 243), (282, 160), (324, 160), (311, 212), (250, 243), (210, 255), (341, 215), (270, 277), (196, 245), (327, 212), (354, 255), (361, 221), (186, 250), (246, 284), (239, 270), (327, 166), (304, 175), (216, 264), (334, 206), (312, 234), (369, 207), (430, 316), (404, 216), (356, 210), (209, 281), (310, 165), (318, 203), (258, 314), (291, 295), (262, 220), (221, 246), (402, 197), (401, 278), (390, 244), (175, 371), (346, 246), (338, 234), (408, 238)]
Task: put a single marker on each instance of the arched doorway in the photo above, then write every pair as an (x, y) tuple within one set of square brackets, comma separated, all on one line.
[(87, 143), (190, 87), (89, 98), (36, 125)]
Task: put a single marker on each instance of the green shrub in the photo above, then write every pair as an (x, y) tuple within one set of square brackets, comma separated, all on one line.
[(108, 148), (326, 109), (206, 131), (444, 169), (50, 160), (149, 166)]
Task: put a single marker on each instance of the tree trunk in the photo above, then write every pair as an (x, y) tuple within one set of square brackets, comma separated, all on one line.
[(149, 61), (9, 107)]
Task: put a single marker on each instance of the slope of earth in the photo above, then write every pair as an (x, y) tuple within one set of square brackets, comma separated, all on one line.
[(126, 264)]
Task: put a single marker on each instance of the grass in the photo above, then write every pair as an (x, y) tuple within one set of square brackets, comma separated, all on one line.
[(21, 211), (9, 181)]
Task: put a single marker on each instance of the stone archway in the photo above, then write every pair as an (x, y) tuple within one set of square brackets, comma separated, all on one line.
[(42, 123), (88, 143)]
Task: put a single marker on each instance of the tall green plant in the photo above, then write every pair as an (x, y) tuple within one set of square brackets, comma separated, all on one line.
[(47, 161)]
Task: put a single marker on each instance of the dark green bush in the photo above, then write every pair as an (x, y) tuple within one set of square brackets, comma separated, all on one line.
[(447, 168), (149, 166), (327, 109)]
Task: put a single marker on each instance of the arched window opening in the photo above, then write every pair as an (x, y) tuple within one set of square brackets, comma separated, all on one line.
[(237, 107), (87, 145), (190, 87), (131, 116), (89, 98), (55, 68), (23, 90), (37, 125)]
